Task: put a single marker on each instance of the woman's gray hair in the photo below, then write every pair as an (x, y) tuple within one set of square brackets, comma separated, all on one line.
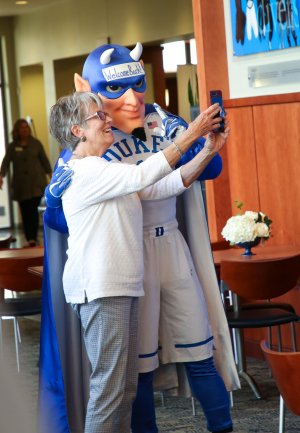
[(68, 111)]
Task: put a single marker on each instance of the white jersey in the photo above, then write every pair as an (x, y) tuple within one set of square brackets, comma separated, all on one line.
[(132, 150)]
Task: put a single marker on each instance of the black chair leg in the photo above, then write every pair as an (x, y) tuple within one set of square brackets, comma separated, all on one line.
[(279, 339), (294, 341), (270, 337)]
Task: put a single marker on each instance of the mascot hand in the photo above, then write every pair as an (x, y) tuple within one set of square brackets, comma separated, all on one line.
[(172, 126), (59, 183)]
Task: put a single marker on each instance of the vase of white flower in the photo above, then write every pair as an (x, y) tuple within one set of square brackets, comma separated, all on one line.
[(247, 230), (248, 246)]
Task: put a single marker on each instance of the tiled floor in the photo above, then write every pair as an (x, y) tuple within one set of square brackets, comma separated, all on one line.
[(18, 391), (249, 415)]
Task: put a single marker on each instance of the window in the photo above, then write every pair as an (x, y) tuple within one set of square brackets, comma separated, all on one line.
[(174, 54)]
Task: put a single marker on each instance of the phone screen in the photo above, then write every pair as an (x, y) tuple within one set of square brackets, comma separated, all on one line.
[(216, 97)]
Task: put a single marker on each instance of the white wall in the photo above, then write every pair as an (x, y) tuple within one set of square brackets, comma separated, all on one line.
[(184, 73), (75, 28), (238, 66)]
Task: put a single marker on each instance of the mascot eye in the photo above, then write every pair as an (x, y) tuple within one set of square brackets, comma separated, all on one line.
[(139, 84), (113, 88)]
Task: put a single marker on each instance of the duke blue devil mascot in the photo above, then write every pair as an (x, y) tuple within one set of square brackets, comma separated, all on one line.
[(182, 321)]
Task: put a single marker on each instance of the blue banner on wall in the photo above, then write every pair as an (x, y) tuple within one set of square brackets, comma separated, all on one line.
[(264, 25)]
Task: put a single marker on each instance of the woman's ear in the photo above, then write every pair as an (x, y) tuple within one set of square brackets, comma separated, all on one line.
[(76, 130)]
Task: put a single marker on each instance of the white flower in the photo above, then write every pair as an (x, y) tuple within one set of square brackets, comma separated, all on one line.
[(251, 214), (262, 230), (246, 228)]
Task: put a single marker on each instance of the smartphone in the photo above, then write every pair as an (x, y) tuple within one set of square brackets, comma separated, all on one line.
[(216, 96)]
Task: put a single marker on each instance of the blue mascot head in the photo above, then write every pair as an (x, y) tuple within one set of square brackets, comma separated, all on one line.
[(112, 69)]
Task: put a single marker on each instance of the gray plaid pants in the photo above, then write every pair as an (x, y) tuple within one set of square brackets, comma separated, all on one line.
[(110, 335)]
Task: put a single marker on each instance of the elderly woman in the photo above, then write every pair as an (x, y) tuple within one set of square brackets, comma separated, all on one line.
[(103, 275), (30, 170)]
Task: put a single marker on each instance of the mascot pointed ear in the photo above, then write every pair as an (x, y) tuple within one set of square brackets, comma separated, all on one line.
[(81, 85)]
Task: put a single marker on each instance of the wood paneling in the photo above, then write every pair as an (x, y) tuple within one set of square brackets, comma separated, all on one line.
[(261, 160), (262, 100), (241, 155), (277, 132)]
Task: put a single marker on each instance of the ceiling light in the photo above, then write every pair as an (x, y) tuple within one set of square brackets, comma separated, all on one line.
[(21, 2)]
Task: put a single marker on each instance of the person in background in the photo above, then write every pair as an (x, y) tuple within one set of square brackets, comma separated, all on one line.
[(103, 275), (30, 169), (177, 284)]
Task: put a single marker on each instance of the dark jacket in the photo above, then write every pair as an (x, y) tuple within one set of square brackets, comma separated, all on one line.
[(30, 166)]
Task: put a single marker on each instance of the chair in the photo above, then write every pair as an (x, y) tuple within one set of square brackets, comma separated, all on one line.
[(14, 276), (6, 239), (259, 281), (286, 372)]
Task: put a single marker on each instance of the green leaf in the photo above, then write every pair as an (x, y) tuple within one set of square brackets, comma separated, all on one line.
[(196, 91), (259, 218), (239, 204), (190, 93), (267, 221)]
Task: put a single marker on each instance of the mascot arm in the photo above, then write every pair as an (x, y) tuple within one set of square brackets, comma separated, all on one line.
[(60, 181), (55, 219), (54, 215)]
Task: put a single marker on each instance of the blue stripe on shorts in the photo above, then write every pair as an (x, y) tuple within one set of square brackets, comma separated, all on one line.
[(199, 343), (148, 355)]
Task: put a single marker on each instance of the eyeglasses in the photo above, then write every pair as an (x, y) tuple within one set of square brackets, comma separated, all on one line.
[(100, 114)]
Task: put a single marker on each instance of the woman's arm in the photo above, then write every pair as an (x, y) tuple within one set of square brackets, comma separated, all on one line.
[(202, 125), (173, 126), (214, 143), (213, 168), (97, 180), (177, 182), (5, 163), (43, 159), (171, 185)]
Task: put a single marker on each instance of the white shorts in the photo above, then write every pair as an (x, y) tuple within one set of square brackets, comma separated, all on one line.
[(173, 318)]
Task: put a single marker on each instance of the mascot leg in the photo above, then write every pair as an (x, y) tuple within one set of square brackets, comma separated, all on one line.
[(143, 411), (208, 387)]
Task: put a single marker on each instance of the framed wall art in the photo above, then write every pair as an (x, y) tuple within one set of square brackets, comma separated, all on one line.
[(264, 25)]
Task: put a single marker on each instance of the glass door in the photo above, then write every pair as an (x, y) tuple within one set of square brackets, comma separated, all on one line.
[(5, 209)]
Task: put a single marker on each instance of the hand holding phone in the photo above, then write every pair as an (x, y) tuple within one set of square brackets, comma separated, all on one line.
[(216, 96)]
